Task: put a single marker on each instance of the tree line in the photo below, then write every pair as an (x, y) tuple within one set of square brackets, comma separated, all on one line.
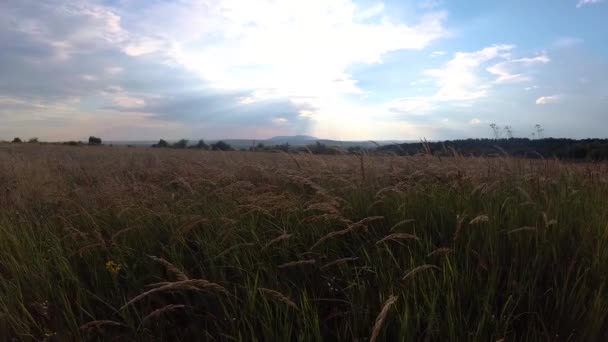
[(561, 148), (585, 149)]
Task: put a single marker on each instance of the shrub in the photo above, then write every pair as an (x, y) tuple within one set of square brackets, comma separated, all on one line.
[(221, 146), (94, 140), (33, 141), (161, 144), (283, 147), (17, 140), (201, 145), (183, 143)]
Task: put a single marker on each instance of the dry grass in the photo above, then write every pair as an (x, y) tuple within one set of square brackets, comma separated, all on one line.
[(382, 317), (276, 295), (187, 245), (190, 284)]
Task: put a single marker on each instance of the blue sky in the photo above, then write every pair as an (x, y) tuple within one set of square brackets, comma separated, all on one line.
[(340, 69)]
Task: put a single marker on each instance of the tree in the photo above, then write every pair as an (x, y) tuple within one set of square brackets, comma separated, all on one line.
[(161, 144), (17, 140), (201, 145), (221, 146), (94, 140), (283, 147), (183, 143), (33, 140)]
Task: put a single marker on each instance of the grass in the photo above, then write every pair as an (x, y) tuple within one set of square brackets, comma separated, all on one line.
[(150, 244)]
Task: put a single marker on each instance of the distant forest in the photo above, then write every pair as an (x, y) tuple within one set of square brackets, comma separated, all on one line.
[(586, 149), (561, 148)]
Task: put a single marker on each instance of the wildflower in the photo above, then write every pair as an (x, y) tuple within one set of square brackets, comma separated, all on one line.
[(113, 268)]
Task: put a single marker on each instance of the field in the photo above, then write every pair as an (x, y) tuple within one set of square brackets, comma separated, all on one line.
[(100, 243)]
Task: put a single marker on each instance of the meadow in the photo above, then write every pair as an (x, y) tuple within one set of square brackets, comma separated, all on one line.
[(121, 244)]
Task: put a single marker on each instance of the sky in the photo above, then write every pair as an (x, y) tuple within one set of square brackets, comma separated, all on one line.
[(339, 69)]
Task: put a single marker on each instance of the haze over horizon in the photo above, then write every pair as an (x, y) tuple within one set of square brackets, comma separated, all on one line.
[(340, 69)]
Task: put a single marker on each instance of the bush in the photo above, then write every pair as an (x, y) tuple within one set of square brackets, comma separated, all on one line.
[(283, 147), (17, 140), (94, 140), (183, 143), (161, 144), (221, 146), (201, 145), (33, 141)]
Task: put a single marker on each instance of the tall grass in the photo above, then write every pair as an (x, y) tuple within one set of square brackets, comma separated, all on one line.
[(140, 244)]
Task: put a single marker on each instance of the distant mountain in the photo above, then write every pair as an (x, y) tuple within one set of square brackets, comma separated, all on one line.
[(294, 137), (294, 140)]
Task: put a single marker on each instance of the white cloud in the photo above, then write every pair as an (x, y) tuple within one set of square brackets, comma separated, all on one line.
[(410, 105), (280, 121), (475, 121), (531, 87), (458, 80), (582, 3), (437, 54), (543, 100), (507, 71), (461, 81), (128, 102), (145, 46), (294, 48)]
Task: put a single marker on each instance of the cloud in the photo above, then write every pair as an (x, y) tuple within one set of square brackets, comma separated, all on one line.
[(295, 48), (213, 69), (98, 27), (510, 71), (458, 79), (410, 105), (280, 121), (461, 81), (128, 102), (543, 100), (582, 3), (215, 65), (475, 121)]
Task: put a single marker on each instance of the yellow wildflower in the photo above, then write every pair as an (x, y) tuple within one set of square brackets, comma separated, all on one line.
[(113, 267)]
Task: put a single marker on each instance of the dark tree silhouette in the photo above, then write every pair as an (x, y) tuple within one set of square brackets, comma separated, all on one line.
[(201, 145), (183, 143), (94, 140), (221, 146), (161, 144)]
